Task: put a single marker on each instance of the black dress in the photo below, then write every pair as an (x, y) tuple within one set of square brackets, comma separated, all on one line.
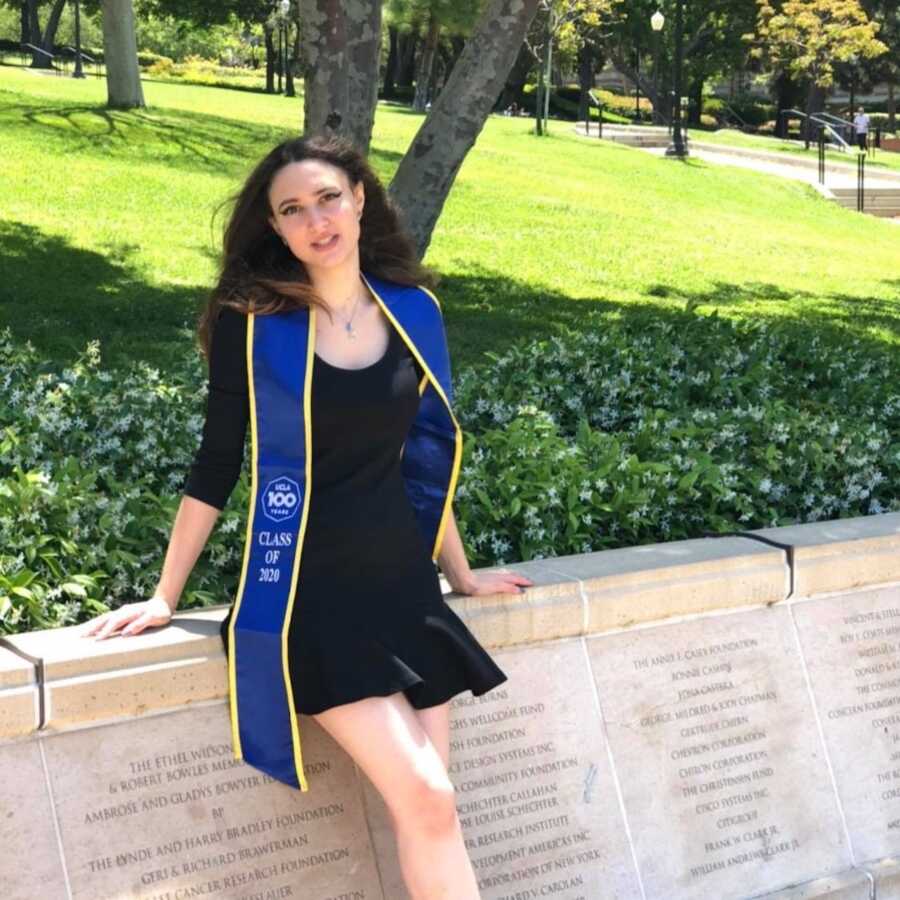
[(368, 616)]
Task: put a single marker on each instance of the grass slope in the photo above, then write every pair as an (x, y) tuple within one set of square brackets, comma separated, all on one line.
[(105, 226)]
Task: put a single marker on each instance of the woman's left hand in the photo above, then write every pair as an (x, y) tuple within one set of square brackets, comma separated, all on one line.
[(500, 582)]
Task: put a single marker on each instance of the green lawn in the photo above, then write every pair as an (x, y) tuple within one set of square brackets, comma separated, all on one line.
[(106, 225), (732, 138)]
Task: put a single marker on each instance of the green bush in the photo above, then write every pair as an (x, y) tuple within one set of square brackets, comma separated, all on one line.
[(628, 432), (161, 65), (197, 70), (91, 468), (646, 431), (566, 108), (147, 58), (752, 110)]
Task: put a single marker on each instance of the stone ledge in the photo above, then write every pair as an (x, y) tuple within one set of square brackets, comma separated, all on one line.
[(19, 698), (842, 553), (87, 680), (626, 761)]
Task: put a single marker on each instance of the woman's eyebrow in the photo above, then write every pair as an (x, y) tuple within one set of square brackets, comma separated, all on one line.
[(295, 199)]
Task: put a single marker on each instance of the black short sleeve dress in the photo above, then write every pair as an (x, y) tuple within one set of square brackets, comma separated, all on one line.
[(368, 617)]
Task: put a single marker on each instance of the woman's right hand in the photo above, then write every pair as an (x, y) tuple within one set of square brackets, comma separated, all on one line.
[(132, 618)]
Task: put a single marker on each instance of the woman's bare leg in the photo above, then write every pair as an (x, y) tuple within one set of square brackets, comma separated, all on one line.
[(435, 722), (385, 738)]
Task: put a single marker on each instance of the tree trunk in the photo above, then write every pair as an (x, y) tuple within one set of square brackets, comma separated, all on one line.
[(782, 103), (364, 52), (427, 171), (438, 75), (390, 69), (548, 82), (123, 77), (341, 50), (426, 65), (458, 44), (513, 90), (655, 93), (815, 102), (34, 26), (406, 59), (292, 53), (25, 22), (695, 109), (46, 40), (585, 79), (49, 38), (270, 59)]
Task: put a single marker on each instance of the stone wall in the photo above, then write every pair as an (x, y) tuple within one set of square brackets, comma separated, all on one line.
[(696, 720)]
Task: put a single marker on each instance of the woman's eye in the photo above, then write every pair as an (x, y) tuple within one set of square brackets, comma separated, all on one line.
[(332, 196)]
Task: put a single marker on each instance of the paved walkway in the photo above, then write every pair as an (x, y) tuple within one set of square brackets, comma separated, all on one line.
[(838, 176)]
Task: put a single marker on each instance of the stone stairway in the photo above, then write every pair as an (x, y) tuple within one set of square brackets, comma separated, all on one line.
[(643, 136), (878, 201)]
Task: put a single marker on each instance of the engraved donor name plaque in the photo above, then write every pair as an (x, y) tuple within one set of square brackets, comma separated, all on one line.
[(533, 787), (159, 809), (852, 645), (713, 734), (30, 866)]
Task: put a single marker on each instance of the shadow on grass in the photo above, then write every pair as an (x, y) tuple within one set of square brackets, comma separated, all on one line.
[(60, 297), (485, 311), (857, 315), (160, 135)]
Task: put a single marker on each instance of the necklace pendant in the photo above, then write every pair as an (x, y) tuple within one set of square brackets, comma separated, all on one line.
[(350, 332)]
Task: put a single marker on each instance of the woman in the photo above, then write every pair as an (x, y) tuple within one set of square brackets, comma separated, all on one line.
[(373, 652)]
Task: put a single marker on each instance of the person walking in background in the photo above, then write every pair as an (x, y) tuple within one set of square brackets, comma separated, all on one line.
[(861, 129)]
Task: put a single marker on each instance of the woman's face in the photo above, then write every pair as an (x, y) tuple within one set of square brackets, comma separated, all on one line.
[(317, 212)]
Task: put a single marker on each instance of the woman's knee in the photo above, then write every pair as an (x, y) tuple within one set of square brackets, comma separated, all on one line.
[(428, 806)]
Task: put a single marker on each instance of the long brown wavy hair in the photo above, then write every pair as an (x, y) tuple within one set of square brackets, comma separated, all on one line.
[(259, 273)]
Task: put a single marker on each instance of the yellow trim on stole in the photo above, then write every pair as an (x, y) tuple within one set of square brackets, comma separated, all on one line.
[(307, 421), (248, 542), (254, 442), (457, 455)]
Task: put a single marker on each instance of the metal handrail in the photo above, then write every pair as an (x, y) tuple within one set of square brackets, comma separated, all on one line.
[(825, 126), (84, 55), (731, 111), (836, 120), (47, 53)]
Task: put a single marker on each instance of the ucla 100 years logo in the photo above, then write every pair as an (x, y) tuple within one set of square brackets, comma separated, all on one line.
[(281, 499)]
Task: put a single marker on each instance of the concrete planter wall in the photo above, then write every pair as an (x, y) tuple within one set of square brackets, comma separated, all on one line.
[(717, 718)]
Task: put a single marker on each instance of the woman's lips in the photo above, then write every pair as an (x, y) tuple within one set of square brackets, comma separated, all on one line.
[(327, 246)]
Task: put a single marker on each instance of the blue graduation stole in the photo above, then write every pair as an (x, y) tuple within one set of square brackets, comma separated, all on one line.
[(280, 352)]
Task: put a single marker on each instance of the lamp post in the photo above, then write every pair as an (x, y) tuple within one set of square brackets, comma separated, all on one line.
[(677, 148), (657, 20), (79, 72)]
